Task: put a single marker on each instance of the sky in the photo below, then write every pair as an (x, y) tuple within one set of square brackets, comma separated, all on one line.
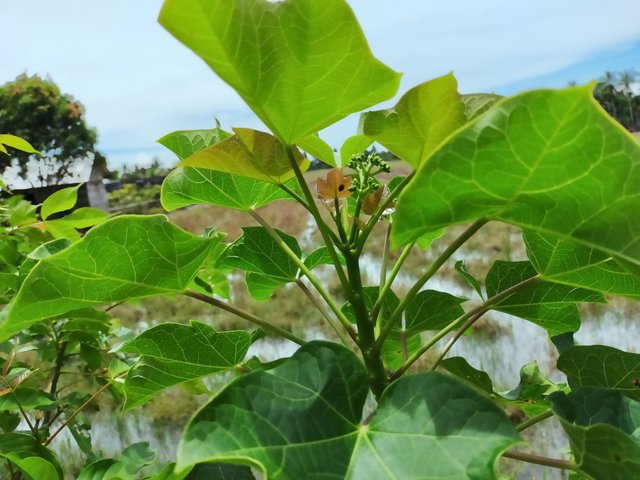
[(138, 83)]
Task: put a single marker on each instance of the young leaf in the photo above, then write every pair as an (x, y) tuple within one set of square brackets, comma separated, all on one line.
[(420, 121), (602, 366), (455, 429), (249, 153), (126, 257), (287, 60), (600, 424), (17, 143), (172, 353), (192, 186), (549, 305), (523, 162), (60, 201), (185, 143), (262, 287), (472, 281), (576, 264), (315, 146), (353, 146)]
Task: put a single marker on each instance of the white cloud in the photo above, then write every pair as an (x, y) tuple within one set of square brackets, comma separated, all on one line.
[(138, 83)]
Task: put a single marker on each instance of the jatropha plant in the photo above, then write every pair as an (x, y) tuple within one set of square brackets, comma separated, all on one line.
[(549, 162)]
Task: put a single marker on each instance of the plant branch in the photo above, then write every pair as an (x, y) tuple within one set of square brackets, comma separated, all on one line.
[(295, 195), (76, 412), (539, 460), (533, 420), (433, 268), (377, 314), (245, 315), (303, 268), (483, 307), (327, 317), (470, 321), (325, 231), (389, 282)]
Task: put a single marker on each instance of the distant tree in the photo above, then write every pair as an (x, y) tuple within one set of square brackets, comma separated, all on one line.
[(36, 109), (616, 94)]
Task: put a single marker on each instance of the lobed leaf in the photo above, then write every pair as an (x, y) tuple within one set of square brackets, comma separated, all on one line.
[(549, 305), (126, 257), (602, 366), (420, 121), (306, 423), (300, 65), (173, 353), (249, 153), (576, 264), (548, 161), (602, 426)]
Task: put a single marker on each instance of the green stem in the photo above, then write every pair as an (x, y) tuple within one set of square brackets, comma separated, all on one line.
[(303, 268), (366, 334), (378, 213), (539, 460), (293, 194), (338, 220), (433, 268), (246, 315), (533, 420), (76, 412), (392, 276), (325, 231), (377, 315), (483, 307), (326, 315), (470, 321)]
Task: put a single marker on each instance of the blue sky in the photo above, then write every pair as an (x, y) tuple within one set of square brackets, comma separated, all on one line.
[(138, 83)]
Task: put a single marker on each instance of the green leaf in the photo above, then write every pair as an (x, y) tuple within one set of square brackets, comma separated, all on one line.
[(27, 398), (172, 353), (431, 425), (31, 458), (529, 395), (549, 161), (126, 257), (60, 201), (24, 213), (321, 256), (220, 471), (249, 153), (84, 217), (476, 104), (255, 251), (318, 148), (457, 432), (17, 143), (600, 425), (185, 143), (131, 461), (192, 186), (262, 287), (432, 310), (472, 281), (602, 366), (189, 186), (287, 60), (420, 121), (576, 264), (549, 305), (353, 146)]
